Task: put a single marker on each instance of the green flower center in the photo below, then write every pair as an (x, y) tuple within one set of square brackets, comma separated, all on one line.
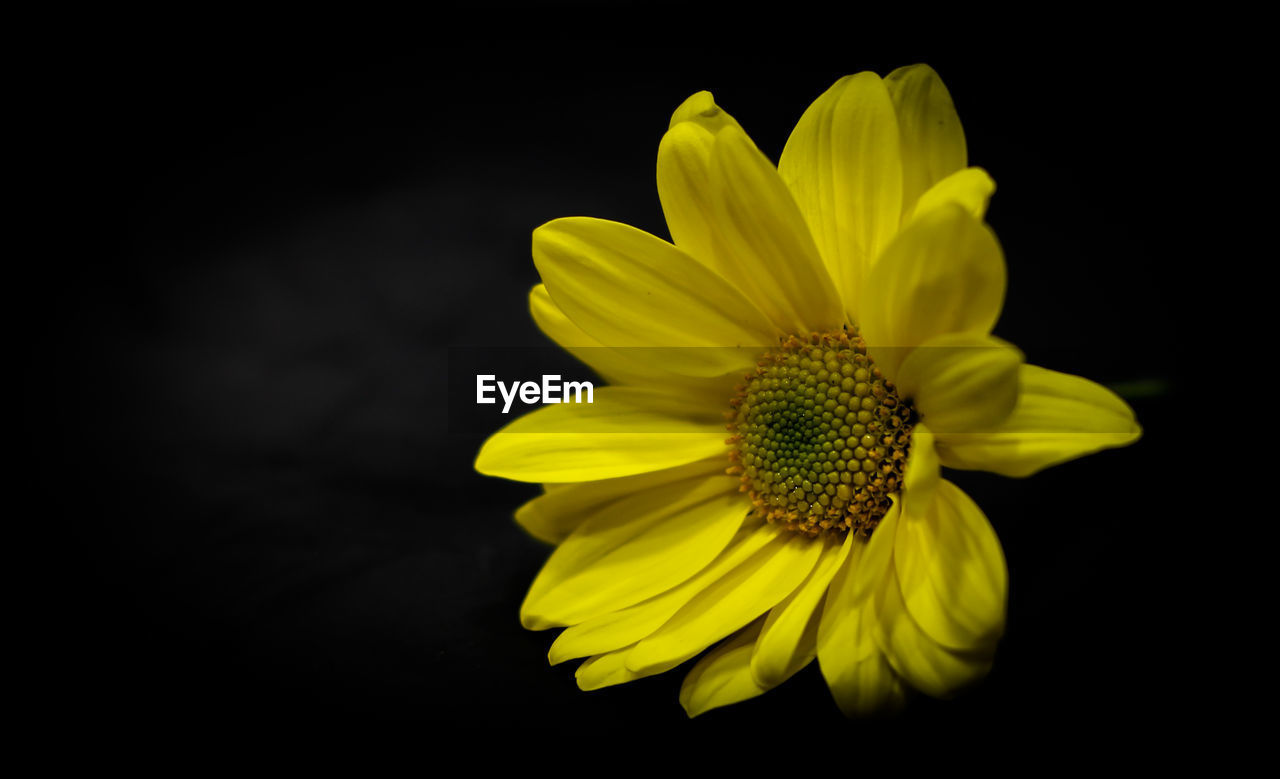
[(820, 436)]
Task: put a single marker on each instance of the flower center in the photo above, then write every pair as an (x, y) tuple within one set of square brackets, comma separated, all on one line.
[(820, 436)]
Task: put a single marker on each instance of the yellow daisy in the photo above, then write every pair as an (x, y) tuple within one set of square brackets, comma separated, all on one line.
[(837, 310)]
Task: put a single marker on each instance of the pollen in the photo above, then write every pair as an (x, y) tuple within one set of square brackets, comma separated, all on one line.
[(819, 435)]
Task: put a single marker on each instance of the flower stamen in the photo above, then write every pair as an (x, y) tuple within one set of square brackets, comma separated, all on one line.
[(820, 436)]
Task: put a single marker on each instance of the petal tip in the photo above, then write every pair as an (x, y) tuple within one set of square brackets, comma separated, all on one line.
[(557, 655), (531, 620), (922, 68), (701, 109)]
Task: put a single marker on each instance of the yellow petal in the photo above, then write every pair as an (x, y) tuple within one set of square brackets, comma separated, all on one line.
[(943, 274), (865, 615), (842, 164), (1058, 417), (842, 637), (701, 109), (610, 364), (684, 179), (866, 688), (932, 139), (610, 632), (873, 557), (723, 676), (729, 603), (961, 382), (626, 288), (636, 367), (726, 205), (552, 516), (952, 570), (923, 469), (855, 669), (624, 432), (788, 640), (922, 662), (635, 548), (838, 628), (605, 671), (777, 262), (611, 669), (970, 188)]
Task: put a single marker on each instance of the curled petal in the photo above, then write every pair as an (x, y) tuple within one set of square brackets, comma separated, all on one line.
[(970, 188)]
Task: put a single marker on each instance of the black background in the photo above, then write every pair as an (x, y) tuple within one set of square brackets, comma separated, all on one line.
[(238, 426)]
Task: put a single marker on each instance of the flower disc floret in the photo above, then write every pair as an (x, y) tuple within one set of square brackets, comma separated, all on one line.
[(820, 436)]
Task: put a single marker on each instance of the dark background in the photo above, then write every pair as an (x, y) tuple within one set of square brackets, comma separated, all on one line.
[(238, 416)]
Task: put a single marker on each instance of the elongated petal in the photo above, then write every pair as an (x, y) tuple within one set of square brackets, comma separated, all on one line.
[(626, 288), (605, 670), (874, 559), (922, 662), (1058, 417), (867, 688), (634, 549), (727, 207), (610, 364), (841, 638), (768, 239), (970, 188), (729, 603), (856, 671), (788, 640), (684, 179), (634, 366), (624, 432), (843, 600), (724, 676), (961, 382), (932, 139), (943, 274), (610, 632), (611, 668), (552, 516), (615, 524), (842, 164), (923, 469), (952, 570)]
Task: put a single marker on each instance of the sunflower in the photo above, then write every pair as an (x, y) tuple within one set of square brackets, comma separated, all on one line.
[(837, 310)]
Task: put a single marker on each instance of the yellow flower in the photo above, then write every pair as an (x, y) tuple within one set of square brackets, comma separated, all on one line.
[(842, 304)]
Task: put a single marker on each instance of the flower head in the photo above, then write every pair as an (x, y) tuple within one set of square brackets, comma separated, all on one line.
[(837, 310)]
